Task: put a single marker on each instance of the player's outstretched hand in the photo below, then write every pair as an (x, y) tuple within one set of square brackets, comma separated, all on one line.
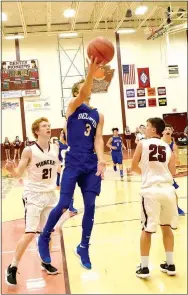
[(10, 166), (93, 66), (101, 169)]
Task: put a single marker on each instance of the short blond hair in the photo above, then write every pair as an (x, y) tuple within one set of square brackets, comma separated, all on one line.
[(75, 88), (35, 125)]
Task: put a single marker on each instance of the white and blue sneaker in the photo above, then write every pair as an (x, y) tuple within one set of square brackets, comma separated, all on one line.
[(83, 253)]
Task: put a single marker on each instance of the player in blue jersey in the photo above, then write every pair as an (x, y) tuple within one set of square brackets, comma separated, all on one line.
[(167, 137), (82, 165), (63, 146), (116, 145)]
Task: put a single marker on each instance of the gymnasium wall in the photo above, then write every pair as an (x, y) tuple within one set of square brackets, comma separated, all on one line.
[(135, 49), (44, 48), (155, 54)]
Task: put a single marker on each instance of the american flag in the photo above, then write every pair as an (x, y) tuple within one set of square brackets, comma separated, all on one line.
[(129, 74)]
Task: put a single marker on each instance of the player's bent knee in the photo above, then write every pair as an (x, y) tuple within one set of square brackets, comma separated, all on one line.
[(29, 235)]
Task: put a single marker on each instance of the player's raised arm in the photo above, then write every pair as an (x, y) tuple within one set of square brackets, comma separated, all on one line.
[(85, 90), (25, 158), (99, 147), (136, 159)]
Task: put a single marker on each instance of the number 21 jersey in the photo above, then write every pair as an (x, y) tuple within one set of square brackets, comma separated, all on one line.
[(42, 169), (81, 129), (155, 157)]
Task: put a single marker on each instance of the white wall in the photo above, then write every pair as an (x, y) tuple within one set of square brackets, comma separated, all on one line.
[(135, 49), (155, 54), (44, 48)]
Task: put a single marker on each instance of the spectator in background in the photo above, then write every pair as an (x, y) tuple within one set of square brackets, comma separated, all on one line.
[(62, 137), (7, 145), (27, 142), (141, 134), (186, 131), (128, 138), (17, 144), (137, 131)]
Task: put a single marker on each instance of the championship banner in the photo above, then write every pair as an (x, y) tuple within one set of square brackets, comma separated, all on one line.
[(130, 93), (141, 103), (19, 78), (152, 102), (151, 91), (37, 105), (161, 90), (162, 101), (143, 77), (131, 104), (102, 79), (140, 92)]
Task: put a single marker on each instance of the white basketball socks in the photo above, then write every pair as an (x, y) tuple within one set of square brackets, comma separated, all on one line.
[(169, 258), (144, 261)]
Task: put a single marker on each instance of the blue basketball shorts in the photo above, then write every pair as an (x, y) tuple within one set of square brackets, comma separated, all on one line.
[(117, 157)]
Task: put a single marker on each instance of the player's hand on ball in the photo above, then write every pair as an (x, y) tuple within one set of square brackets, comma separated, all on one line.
[(10, 166), (101, 169), (93, 66)]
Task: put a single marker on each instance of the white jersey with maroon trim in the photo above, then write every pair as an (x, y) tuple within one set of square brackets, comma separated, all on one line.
[(42, 169), (155, 157)]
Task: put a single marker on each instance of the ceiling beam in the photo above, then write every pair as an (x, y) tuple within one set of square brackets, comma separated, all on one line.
[(20, 8), (49, 15), (156, 8), (100, 14), (75, 17)]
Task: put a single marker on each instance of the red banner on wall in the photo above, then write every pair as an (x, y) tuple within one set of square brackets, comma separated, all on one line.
[(143, 78), (152, 102)]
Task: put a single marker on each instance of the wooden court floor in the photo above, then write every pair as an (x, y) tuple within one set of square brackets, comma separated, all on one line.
[(114, 249)]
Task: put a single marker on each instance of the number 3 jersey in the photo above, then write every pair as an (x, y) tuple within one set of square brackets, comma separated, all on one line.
[(81, 129), (155, 157), (42, 169)]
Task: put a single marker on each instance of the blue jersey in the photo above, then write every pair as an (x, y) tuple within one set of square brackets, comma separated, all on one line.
[(81, 129), (117, 142), (171, 145), (62, 147)]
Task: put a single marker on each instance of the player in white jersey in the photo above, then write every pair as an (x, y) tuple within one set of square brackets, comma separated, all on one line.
[(41, 162), (155, 162)]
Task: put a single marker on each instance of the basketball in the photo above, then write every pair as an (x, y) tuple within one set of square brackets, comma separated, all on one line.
[(102, 49)]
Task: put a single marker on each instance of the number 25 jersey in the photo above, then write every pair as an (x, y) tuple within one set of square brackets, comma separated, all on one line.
[(81, 129), (42, 169), (155, 157)]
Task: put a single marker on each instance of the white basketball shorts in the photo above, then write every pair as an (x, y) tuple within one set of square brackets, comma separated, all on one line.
[(158, 206), (37, 209)]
